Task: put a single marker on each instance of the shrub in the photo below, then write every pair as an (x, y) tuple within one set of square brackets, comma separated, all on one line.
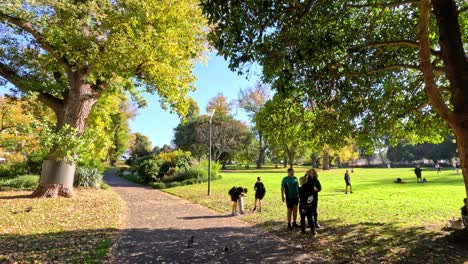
[(104, 186), (21, 182), (158, 185), (12, 169), (87, 177), (148, 170), (173, 184), (189, 182)]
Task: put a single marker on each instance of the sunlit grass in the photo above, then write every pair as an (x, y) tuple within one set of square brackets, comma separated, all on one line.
[(377, 206)]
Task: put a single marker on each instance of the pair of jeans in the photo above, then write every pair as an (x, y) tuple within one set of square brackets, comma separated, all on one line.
[(310, 222)]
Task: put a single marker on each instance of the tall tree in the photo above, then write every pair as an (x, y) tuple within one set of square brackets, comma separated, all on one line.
[(252, 100), (71, 52), (285, 124), (140, 146), (391, 68), (221, 105)]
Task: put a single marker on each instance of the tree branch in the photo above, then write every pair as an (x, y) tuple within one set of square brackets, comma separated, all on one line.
[(28, 27), (407, 43), (376, 5), (430, 86), (54, 103), (10, 75)]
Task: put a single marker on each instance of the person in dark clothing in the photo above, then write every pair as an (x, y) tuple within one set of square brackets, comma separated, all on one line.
[(314, 185), (259, 194), (418, 171), (306, 199), (347, 180), (236, 193)]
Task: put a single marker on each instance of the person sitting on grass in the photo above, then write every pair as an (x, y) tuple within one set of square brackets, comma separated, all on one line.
[(399, 180), (259, 194)]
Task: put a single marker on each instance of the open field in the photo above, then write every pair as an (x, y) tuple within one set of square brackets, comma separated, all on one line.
[(62, 230), (380, 222)]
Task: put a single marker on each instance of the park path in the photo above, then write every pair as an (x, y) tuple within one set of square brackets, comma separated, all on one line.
[(162, 228)]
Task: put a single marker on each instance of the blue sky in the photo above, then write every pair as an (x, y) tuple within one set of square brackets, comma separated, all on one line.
[(212, 78)]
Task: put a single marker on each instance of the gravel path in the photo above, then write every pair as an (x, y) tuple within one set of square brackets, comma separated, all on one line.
[(161, 228)]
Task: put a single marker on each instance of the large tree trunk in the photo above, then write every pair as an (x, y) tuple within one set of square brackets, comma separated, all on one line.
[(326, 160), (456, 71), (74, 111)]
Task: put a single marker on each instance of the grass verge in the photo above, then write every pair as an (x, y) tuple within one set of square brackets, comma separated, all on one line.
[(62, 230)]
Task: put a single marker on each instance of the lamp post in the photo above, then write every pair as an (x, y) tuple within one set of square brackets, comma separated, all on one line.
[(209, 160)]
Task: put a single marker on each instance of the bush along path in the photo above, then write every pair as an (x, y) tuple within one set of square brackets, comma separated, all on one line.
[(164, 228)]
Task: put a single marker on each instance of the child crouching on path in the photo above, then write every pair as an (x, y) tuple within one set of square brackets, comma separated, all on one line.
[(259, 194), (236, 194)]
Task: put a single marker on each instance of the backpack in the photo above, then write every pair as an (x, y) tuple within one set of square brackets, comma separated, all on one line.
[(232, 191)]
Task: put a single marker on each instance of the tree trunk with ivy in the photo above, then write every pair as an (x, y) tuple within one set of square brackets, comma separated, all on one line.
[(57, 172)]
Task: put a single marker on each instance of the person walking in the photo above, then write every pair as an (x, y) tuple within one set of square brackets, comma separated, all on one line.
[(259, 194), (347, 179), (418, 172), (290, 194)]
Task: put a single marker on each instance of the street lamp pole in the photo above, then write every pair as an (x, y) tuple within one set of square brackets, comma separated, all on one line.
[(209, 160)]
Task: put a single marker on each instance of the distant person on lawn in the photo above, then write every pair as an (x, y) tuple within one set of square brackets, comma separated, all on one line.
[(259, 194), (437, 168), (418, 172), (347, 179), (290, 194)]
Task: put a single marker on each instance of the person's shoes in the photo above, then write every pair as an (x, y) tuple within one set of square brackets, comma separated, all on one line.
[(255, 208), (259, 209), (289, 226), (346, 192), (303, 232), (296, 225), (314, 232), (233, 213), (317, 226), (351, 192)]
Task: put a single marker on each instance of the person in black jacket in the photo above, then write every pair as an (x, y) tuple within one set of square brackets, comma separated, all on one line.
[(418, 171), (314, 185), (306, 199)]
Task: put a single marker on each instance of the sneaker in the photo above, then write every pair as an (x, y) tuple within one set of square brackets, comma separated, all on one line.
[(255, 208), (296, 225), (351, 192), (314, 232), (233, 214), (317, 226), (259, 209), (289, 226)]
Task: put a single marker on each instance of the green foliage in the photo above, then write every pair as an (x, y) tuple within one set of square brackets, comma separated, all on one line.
[(148, 170), (12, 169), (158, 185), (28, 182), (140, 146), (87, 177), (173, 184)]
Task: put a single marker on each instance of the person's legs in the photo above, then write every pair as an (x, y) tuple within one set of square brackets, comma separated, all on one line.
[(311, 223), (303, 216), (350, 188), (259, 205), (255, 205), (234, 207), (346, 188), (289, 217), (315, 214), (294, 211)]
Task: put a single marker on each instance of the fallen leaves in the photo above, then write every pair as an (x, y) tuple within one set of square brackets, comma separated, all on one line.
[(61, 230)]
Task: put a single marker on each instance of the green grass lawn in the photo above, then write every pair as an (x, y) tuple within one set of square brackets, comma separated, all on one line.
[(381, 221)]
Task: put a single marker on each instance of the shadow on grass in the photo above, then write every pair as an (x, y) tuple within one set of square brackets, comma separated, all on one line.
[(378, 242), (16, 197)]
